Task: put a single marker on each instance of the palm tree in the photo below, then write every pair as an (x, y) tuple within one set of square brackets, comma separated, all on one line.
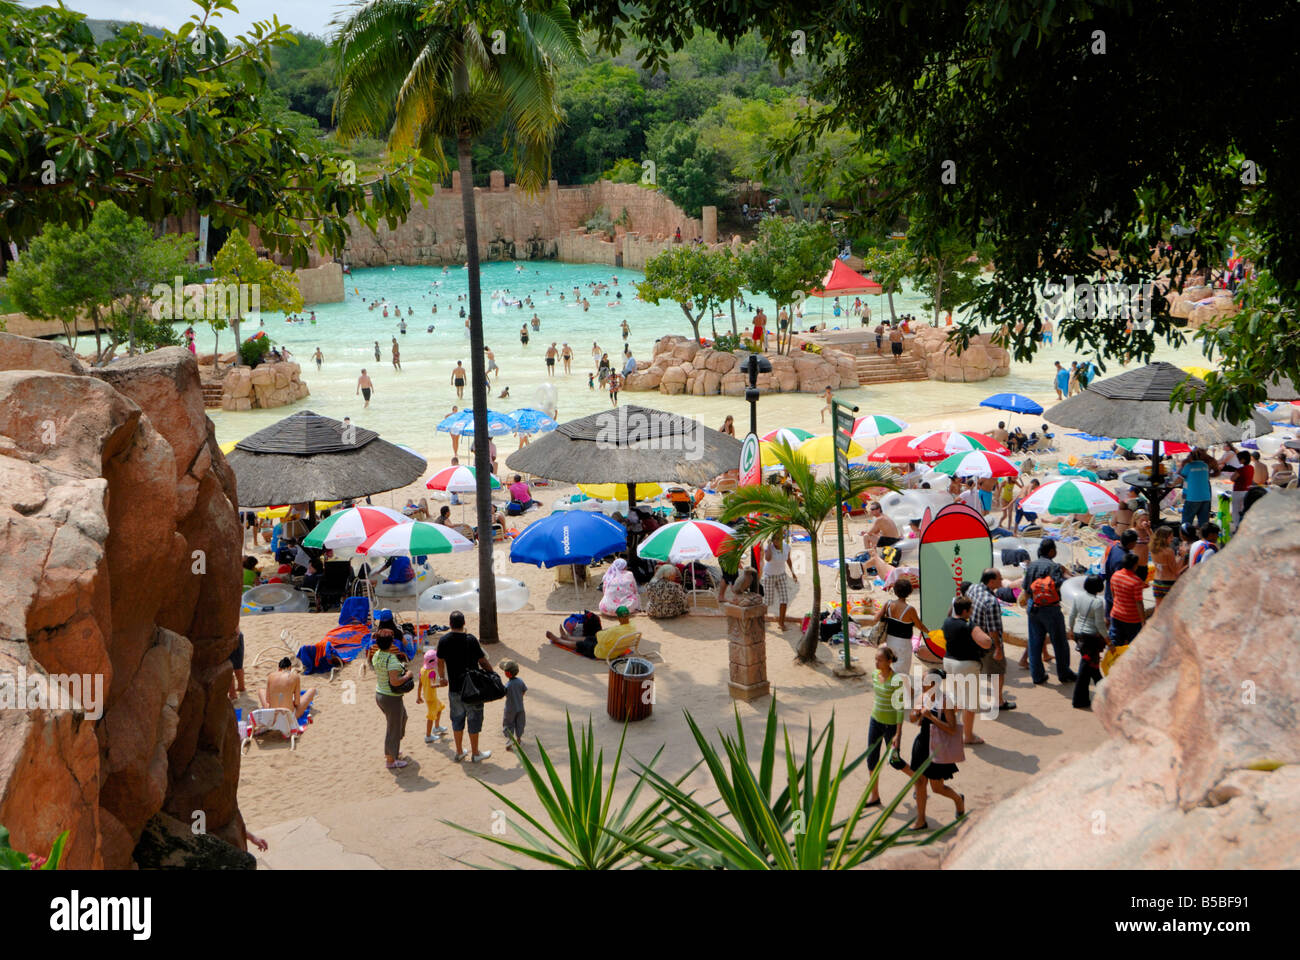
[(765, 510), (425, 72)]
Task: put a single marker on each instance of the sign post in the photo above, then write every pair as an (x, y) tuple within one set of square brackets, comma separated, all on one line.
[(842, 416)]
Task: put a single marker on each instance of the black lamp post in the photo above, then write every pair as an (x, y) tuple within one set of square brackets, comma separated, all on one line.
[(756, 364)]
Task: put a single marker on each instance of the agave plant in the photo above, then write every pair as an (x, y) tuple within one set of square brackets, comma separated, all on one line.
[(796, 830), (585, 832), (11, 859)]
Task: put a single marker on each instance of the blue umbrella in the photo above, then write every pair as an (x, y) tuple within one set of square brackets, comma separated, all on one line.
[(533, 421), (568, 537), (1014, 402), (498, 424)]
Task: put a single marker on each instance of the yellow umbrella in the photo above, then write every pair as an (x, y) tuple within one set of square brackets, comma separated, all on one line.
[(1198, 372), (277, 513), (229, 445), (618, 491), (822, 449)]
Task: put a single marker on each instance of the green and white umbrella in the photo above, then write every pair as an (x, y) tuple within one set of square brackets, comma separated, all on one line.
[(1061, 498), (686, 541), (1150, 448), (877, 425), (352, 526), (791, 435), (415, 539), (977, 463)]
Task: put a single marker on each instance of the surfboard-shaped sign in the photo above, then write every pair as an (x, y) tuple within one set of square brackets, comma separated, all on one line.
[(955, 547)]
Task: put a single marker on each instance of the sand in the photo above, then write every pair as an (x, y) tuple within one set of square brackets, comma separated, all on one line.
[(331, 803)]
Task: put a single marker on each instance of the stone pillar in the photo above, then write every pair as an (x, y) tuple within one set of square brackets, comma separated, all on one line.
[(455, 182), (748, 651), (497, 182), (710, 215)]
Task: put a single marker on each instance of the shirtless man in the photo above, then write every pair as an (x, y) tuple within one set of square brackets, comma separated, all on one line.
[(491, 362), (458, 380), (455, 437), (883, 531), (626, 329), (551, 354), (283, 689), (566, 354), (377, 356), (896, 341), (318, 357), (365, 387), (397, 357), (1000, 434)]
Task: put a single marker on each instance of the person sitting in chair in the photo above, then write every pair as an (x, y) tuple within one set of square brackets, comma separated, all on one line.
[(399, 570), (284, 690), (521, 496), (603, 644)]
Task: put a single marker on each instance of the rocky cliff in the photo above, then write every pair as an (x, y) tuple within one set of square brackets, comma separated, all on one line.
[(680, 365), (120, 540)]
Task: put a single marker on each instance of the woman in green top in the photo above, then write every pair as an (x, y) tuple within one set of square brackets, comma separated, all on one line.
[(251, 576), (390, 672), (886, 715)]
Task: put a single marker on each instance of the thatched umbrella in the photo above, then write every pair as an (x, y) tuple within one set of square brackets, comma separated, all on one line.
[(629, 445), (307, 457), (1137, 404)]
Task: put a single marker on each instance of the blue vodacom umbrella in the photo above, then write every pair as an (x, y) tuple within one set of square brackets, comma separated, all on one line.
[(454, 422), (1013, 402), (532, 421), (498, 424), (569, 537)]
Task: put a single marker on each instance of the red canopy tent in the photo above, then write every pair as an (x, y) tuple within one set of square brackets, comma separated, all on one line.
[(843, 280)]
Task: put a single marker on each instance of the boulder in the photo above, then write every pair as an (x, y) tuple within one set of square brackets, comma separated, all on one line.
[(25, 353), (711, 380), (686, 350), (733, 384), (238, 383), (171, 844), (647, 380), (121, 543), (720, 362), (1202, 766), (673, 381), (282, 374)]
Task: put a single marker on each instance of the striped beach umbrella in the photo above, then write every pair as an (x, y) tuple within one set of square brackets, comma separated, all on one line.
[(900, 449), (686, 541), (978, 463), (877, 425), (1152, 447), (791, 435), (414, 539), (618, 491), (1064, 497), (822, 449), (458, 479), (955, 441), (353, 526)]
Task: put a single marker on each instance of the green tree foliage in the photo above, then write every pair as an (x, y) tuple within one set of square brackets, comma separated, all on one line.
[(688, 172), (695, 278), (237, 265), (105, 272), (890, 263), (166, 125), (788, 259), (988, 96), (604, 119)]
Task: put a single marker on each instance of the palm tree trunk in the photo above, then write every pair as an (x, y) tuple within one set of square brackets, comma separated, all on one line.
[(807, 650), (487, 598)]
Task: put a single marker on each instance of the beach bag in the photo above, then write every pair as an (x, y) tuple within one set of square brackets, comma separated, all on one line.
[(405, 687), (1045, 592), (854, 573), (946, 747), (480, 686)]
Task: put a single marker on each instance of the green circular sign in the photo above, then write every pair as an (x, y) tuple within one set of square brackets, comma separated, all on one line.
[(749, 460)]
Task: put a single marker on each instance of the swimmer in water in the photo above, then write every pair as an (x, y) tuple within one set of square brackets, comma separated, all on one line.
[(377, 357), (504, 394)]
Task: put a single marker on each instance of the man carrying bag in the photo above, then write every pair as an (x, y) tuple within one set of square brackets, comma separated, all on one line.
[(462, 663)]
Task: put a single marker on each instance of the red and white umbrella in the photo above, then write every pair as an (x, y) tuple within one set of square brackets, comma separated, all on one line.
[(877, 425), (901, 450), (1151, 447), (352, 526), (953, 441), (978, 463), (1061, 498), (686, 541), (458, 479), (791, 435), (415, 539)]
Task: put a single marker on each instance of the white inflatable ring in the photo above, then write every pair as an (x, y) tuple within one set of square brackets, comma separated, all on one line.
[(272, 598), (1072, 592), (463, 595), (408, 589)]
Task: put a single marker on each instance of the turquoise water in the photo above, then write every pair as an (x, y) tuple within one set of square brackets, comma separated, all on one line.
[(407, 405)]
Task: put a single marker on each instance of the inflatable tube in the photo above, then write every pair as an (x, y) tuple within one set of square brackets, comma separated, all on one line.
[(423, 579), (1071, 593), (463, 595), (272, 598), (1028, 544)]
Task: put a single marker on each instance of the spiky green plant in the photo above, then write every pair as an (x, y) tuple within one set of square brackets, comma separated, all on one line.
[(586, 833), (11, 859)]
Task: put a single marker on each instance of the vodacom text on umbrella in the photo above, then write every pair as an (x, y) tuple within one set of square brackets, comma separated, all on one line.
[(653, 430)]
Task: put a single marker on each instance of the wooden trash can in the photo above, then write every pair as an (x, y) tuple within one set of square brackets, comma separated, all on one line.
[(631, 688)]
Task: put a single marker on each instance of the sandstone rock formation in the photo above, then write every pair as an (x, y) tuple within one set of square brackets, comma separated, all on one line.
[(1202, 767), (980, 360), (1201, 305), (681, 365), (121, 545), (262, 387)]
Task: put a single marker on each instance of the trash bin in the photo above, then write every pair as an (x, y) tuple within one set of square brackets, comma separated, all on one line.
[(631, 688)]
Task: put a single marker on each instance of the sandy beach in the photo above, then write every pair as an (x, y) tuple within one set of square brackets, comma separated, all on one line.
[(331, 803)]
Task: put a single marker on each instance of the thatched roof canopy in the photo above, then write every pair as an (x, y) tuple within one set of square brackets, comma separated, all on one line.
[(1137, 404), (306, 457), (629, 444)]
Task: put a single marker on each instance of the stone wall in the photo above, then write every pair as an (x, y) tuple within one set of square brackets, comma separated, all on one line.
[(980, 360), (121, 549), (265, 386), (1201, 305), (323, 284), (515, 226), (680, 365)]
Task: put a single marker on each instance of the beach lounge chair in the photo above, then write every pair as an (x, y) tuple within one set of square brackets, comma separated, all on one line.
[(630, 645), (274, 720), (334, 582), (354, 610)]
